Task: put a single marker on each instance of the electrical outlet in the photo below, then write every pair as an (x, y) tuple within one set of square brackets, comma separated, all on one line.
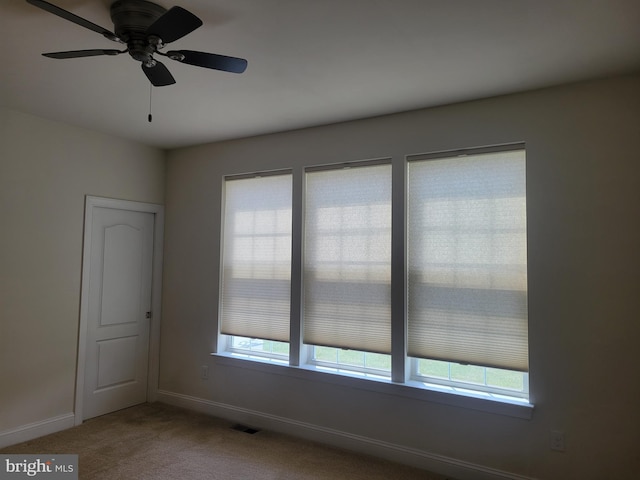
[(204, 372), (557, 440)]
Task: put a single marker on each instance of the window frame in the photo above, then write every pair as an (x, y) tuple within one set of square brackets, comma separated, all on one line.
[(351, 167), (402, 380), (223, 339), (346, 367), (479, 387)]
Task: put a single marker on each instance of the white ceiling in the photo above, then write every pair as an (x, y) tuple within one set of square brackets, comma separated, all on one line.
[(311, 62)]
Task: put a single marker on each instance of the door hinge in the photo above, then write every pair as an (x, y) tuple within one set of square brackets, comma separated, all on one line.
[(148, 315)]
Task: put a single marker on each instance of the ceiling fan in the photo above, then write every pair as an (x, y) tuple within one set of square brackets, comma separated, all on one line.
[(145, 28)]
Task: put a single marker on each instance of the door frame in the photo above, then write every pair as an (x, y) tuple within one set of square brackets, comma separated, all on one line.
[(92, 202)]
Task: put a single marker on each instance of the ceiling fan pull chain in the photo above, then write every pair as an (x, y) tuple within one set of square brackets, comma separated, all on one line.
[(150, 117)]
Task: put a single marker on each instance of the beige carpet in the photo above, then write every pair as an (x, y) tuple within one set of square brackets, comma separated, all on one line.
[(162, 442)]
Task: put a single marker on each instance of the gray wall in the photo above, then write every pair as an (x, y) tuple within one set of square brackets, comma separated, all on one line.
[(583, 177), (46, 169)]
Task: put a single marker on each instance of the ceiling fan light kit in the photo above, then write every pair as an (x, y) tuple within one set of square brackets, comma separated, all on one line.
[(146, 28)]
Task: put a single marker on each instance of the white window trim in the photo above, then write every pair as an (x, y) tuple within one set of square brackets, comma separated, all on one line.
[(400, 383), (459, 384), (344, 367), (414, 379), (455, 397)]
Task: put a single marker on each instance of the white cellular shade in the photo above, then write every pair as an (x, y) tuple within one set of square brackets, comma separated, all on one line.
[(347, 258), (256, 270), (467, 260)]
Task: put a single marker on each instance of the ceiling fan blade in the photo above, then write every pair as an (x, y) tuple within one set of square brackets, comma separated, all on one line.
[(82, 53), (159, 75), (209, 60), (175, 23), (73, 18)]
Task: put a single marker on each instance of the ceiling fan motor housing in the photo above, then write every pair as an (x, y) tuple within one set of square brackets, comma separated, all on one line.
[(131, 18)]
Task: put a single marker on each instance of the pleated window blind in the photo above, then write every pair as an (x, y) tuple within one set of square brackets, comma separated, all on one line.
[(467, 259), (256, 270), (347, 258)]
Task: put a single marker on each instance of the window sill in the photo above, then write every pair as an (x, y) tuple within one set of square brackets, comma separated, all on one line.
[(455, 397)]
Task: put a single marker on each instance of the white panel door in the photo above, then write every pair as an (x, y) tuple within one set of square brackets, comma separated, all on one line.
[(119, 304)]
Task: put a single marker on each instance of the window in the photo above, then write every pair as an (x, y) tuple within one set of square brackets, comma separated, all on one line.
[(488, 380), (460, 263), (467, 266), (258, 348), (352, 362), (347, 258), (256, 261)]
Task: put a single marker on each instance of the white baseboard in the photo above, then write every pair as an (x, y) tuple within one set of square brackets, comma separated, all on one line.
[(36, 429), (409, 456)]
